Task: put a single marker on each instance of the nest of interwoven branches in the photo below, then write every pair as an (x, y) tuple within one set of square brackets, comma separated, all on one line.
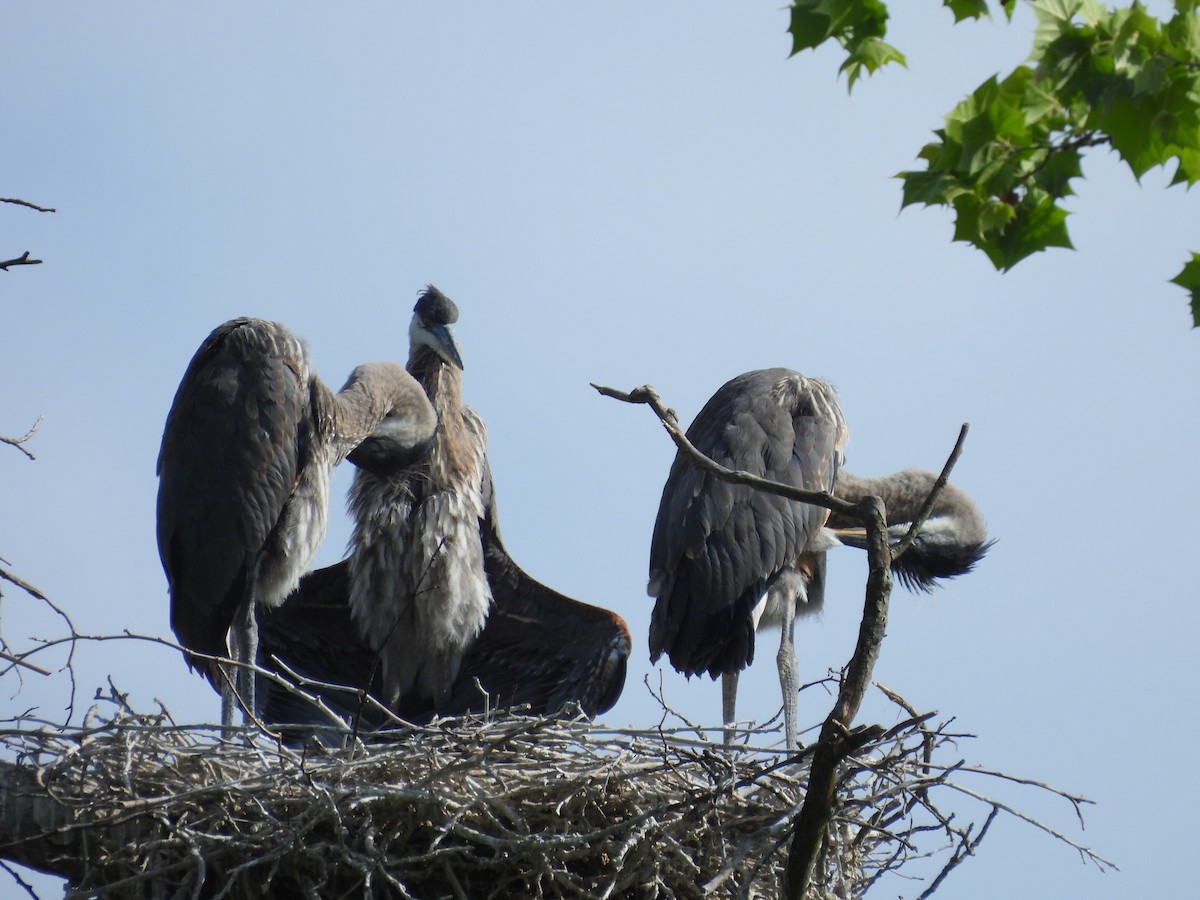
[(134, 805)]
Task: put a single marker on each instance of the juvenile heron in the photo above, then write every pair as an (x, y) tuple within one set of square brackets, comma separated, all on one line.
[(418, 591), (726, 559), (244, 469), (539, 650)]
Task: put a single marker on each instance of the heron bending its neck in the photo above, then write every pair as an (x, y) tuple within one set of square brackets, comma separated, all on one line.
[(418, 591), (244, 470), (726, 559)]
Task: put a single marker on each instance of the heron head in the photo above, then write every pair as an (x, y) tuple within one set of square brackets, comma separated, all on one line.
[(433, 325)]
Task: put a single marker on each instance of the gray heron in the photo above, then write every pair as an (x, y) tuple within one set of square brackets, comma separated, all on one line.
[(244, 471), (726, 560), (418, 591)]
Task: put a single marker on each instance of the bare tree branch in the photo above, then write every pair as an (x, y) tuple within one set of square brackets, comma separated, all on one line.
[(20, 442), (648, 396), (27, 204), (22, 260)]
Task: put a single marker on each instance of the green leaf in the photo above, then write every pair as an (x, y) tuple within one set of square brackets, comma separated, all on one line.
[(967, 9), (871, 55), (1188, 169), (858, 25), (1142, 129), (1029, 226), (1039, 225), (1056, 170), (1189, 280)]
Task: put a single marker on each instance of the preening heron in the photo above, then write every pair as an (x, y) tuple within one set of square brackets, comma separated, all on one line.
[(726, 559), (244, 470), (418, 591), (951, 541), (539, 650)]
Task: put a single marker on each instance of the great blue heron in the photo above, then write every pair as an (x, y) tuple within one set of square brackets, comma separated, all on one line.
[(539, 650), (418, 591), (726, 559), (244, 470)]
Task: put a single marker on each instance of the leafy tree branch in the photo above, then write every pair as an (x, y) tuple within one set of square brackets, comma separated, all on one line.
[(1007, 154)]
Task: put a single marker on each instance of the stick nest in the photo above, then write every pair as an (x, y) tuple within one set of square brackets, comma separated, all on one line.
[(528, 807)]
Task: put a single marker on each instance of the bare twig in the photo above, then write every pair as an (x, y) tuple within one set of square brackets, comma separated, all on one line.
[(17, 661), (22, 260), (27, 588), (19, 442), (918, 523), (26, 203), (648, 396)]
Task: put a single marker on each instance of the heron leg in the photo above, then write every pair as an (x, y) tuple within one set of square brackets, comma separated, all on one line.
[(788, 680), (243, 647), (228, 700), (729, 682), (248, 625)]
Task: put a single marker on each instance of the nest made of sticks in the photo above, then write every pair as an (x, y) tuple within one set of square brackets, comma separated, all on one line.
[(135, 805)]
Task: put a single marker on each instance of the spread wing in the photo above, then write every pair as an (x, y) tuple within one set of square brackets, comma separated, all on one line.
[(716, 546), (538, 649), (231, 450)]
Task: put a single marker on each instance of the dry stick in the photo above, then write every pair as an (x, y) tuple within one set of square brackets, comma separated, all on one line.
[(648, 396), (26, 203), (17, 661), (19, 442), (836, 741), (22, 260)]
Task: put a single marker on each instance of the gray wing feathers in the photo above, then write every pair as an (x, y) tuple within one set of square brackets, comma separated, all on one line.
[(716, 545), (228, 464)]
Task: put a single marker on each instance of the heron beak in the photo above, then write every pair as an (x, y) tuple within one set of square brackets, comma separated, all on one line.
[(437, 337), (441, 339)]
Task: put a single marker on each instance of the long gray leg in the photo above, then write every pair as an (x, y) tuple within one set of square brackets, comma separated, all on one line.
[(729, 704), (228, 691), (788, 681), (243, 648), (248, 624)]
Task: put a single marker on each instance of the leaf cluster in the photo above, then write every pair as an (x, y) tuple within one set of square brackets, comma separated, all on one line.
[(859, 26), (1007, 154)]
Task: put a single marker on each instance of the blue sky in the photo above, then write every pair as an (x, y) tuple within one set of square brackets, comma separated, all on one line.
[(622, 195)]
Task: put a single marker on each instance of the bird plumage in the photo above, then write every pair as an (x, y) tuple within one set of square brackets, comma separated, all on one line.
[(718, 549), (418, 590), (953, 539), (726, 559), (244, 470), (539, 651)]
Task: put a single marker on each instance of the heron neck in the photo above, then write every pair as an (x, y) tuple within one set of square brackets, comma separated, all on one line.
[(372, 392), (453, 442), (904, 493)]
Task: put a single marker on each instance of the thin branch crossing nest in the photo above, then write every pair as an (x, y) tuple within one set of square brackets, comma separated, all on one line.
[(137, 806)]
